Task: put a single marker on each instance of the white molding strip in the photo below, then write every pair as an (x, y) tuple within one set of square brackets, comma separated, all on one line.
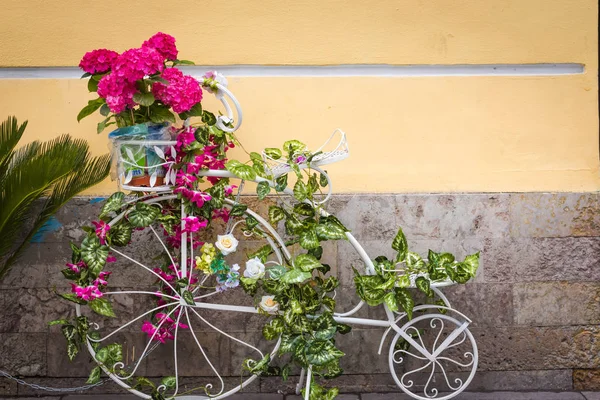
[(366, 70)]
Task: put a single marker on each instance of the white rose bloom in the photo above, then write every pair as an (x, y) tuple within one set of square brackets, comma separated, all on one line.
[(226, 243), (254, 269), (269, 305)]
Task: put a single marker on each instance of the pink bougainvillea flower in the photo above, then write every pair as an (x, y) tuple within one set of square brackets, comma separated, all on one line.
[(86, 293), (229, 189), (222, 213), (164, 275), (102, 229), (181, 93), (102, 277), (111, 258), (184, 179), (193, 224), (98, 61), (164, 44), (76, 267), (300, 159)]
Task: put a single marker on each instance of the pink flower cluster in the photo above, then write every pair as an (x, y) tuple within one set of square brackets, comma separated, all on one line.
[(164, 330), (182, 92), (119, 85), (87, 293), (98, 61), (193, 224), (164, 44), (172, 275), (102, 229)]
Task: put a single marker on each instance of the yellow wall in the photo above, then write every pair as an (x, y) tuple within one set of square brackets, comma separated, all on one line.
[(406, 133)]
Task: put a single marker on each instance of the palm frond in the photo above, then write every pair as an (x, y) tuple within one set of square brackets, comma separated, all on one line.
[(88, 173), (10, 134), (57, 169)]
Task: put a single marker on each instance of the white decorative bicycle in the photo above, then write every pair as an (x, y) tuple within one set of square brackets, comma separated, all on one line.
[(199, 323)]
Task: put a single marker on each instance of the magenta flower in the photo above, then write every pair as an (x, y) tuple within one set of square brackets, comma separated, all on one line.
[(182, 92), (86, 293), (229, 189), (193, 224), (164, 44), (185, 138), (184, 179), (102, 229), (134, 64), (222, 213), (117, 92), (76, 267), (102, 277), (300, 159), (111, 258), (98, 61)]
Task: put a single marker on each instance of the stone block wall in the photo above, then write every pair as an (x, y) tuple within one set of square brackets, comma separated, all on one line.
[(535, 303)]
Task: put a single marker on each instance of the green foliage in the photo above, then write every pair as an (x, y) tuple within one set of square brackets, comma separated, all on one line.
[(102, 306), (35, 181), (240, 170)]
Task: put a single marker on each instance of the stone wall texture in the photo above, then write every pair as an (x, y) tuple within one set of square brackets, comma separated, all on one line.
[(535, 303)]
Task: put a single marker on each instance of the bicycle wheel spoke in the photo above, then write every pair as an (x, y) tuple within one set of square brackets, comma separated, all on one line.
[(131, 322), (164, 247), (145, 267), (208, 386), (226, 334)]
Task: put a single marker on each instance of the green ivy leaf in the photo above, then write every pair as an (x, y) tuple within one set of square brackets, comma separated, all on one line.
[(240, 170), (120, 234), (281, 183), (143, 381), (471, 263), (156, 395), (300, 190), (249, 285), (208, 118), (195, 111), (274, 153), (413, 260), (102, 306), (424, 286), (94, 376), (405, 300), (400, 245), (58, 322), (292, 146), (68, 332), (72, 297), (70, 274), (325, 327), (276, 271), (188, 297), (273, 329), (304, 209), (262, 190), (328, 230), (94, 254), (72, 350), (115, 352), (323, 180), (143, 215), (262, 253), (306, 262), (144, 99), (276, 214), (391, 301), (238, 210), (308, 239), (295, 275), (321, 352), (260, 367), (169, 382)]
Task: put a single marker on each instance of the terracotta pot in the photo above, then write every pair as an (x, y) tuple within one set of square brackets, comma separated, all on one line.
[(144, 181)]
